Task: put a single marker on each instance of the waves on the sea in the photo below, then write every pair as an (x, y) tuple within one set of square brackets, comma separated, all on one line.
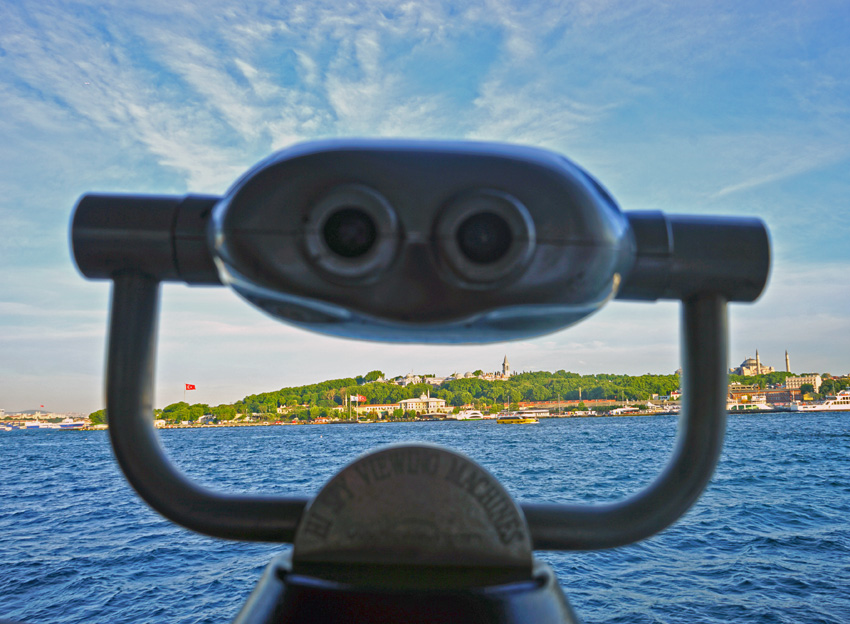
[(768, 542)]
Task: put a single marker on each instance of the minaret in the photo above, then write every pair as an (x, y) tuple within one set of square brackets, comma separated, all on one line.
[(758, 363), (787, 362), (506, 368)]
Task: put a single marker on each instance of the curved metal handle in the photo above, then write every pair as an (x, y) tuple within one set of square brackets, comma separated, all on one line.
[(129, 404), (702, 425), (129, 390)]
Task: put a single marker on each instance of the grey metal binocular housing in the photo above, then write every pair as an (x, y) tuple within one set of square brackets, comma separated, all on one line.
[(419, 242)]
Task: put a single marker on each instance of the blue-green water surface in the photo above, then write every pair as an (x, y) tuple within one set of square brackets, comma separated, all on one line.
[(768, 542)]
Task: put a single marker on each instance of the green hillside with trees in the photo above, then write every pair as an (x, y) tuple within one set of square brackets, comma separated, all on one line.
[(319, 399)]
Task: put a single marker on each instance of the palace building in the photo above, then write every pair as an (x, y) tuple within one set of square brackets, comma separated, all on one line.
[(423, 405)]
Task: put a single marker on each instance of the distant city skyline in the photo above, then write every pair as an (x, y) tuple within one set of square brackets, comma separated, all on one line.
[(797, 379), (199, 393), (715, 109)]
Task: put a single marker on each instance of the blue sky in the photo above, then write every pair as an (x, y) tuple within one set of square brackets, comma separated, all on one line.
[(738, 108)]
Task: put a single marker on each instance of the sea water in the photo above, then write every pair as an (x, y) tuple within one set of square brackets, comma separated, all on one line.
[(769, 541)]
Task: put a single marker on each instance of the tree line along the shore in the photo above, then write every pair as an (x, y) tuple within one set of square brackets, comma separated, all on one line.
[(319, 399)]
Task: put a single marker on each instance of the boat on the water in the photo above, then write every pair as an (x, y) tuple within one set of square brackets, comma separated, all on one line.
[(69, 423), (838, 403), (516, 418), (761, 406), (469, 415)]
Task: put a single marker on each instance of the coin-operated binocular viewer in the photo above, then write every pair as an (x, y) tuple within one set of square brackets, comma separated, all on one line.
[(416, 242)]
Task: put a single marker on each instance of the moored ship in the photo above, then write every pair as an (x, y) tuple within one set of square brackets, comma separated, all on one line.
[(749, 407), (838, 403)]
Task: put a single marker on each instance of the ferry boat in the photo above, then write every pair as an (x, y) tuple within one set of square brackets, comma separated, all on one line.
[(516, 418), (838, 403), (756, 406), (751, 407)]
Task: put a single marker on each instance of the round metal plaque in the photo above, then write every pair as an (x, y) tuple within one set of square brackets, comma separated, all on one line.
[(414, 505)]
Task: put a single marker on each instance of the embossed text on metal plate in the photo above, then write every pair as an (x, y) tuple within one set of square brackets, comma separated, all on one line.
[(414, 505)]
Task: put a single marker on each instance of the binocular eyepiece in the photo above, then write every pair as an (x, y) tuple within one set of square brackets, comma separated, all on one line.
[(484, 238), (350, 232), (481, 236)]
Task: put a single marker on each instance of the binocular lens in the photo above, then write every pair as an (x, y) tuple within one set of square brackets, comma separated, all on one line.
[(350, 232), (484, 238)]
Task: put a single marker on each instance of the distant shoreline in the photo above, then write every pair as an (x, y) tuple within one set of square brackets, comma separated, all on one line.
[(230, 425), (227, 425)]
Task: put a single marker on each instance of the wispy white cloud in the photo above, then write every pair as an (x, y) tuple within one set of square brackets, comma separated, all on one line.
[(768, 159), (678, 107), (529, 114), (80, 75)]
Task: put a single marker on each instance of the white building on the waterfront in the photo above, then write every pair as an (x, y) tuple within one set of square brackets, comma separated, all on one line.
[(423, 405), (368, 408)]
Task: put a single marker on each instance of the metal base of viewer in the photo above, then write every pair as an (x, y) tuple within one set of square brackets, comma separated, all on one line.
[(282, 596)]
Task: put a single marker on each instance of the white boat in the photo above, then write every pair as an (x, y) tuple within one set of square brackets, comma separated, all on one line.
[(469, 415), (839, 403), (761, 406)]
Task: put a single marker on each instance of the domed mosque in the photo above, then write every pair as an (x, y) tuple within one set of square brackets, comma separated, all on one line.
[(752, 366)]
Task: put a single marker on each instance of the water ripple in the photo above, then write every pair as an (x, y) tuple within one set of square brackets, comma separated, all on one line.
[(769, 541)]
